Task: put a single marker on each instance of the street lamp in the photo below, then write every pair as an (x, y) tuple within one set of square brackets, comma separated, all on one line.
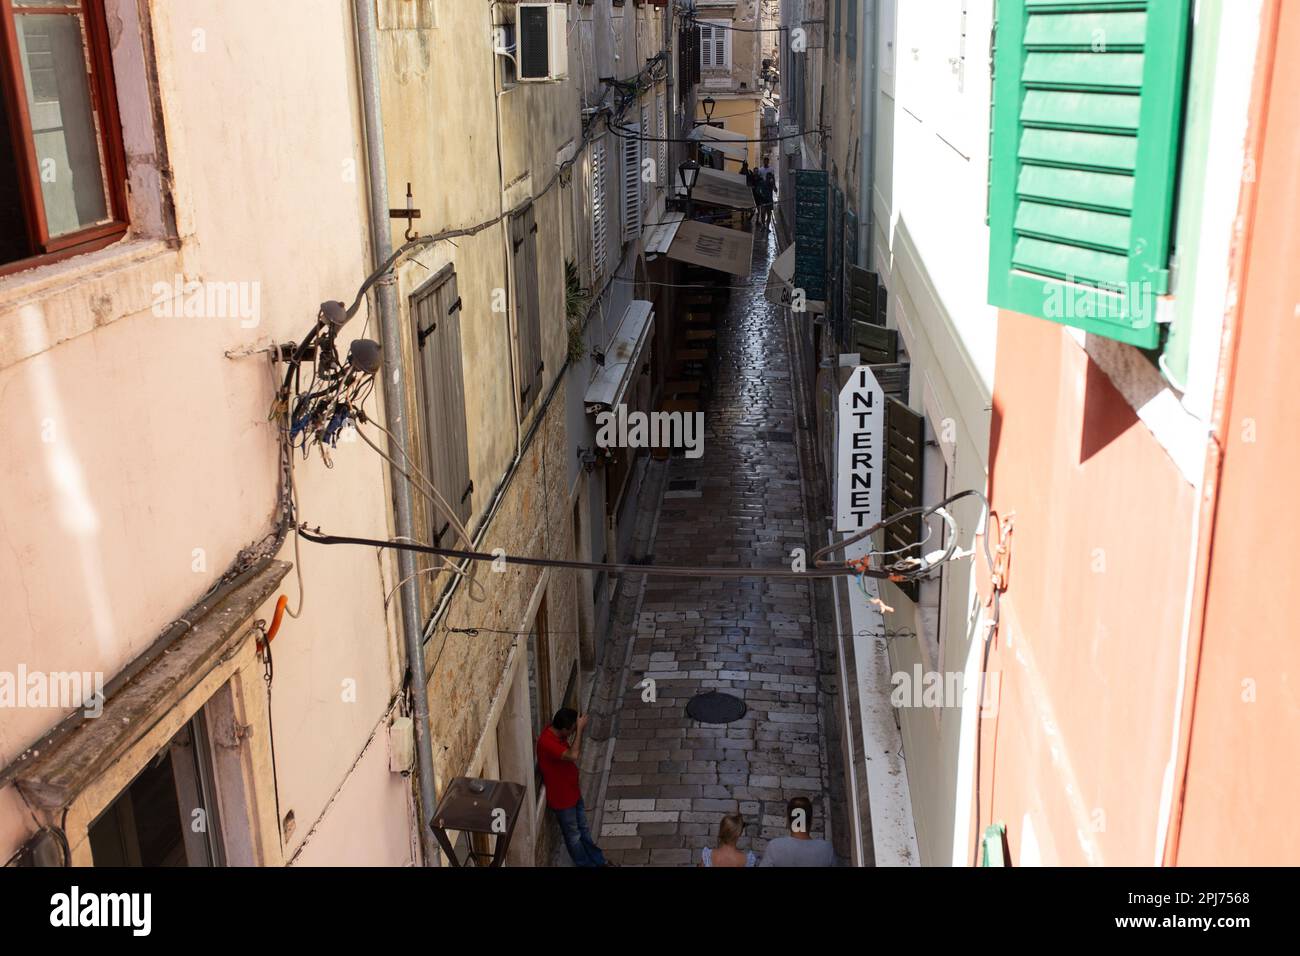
[(708, 103), (689, 172)]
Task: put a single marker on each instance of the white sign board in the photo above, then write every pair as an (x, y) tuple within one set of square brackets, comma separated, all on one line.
[(860, 464)]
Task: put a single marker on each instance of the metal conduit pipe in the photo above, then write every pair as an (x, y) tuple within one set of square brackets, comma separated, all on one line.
[(395, 410)]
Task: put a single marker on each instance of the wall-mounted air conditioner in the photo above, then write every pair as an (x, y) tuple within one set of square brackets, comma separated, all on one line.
[(542, 46)]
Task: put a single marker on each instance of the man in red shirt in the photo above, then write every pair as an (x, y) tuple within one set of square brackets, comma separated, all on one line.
[(558, 749)]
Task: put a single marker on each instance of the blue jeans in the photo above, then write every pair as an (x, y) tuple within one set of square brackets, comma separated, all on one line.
[(577, 837)]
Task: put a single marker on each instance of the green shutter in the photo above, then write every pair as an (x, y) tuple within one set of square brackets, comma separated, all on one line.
[(1087, 112)]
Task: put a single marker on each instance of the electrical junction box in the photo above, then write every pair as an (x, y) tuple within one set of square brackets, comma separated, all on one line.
[(401, 745), (542, 42)]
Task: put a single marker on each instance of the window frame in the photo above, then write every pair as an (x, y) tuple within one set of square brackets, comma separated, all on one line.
[(104, 105), (715, 26)]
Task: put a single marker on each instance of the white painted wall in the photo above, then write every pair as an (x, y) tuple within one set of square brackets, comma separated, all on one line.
[(931, 246)]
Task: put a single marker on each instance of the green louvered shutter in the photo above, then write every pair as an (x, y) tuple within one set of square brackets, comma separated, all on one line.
[(1086, 119)]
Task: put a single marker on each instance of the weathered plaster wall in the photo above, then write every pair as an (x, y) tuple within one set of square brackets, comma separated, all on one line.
[(138, 459)]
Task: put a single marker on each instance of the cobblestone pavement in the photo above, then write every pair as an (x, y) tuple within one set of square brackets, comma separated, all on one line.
[(671, 779)]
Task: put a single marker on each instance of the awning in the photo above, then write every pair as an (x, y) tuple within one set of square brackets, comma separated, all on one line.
[(716, 247), (723, 189), (659, 237), (780, 283), (622, 357), (722, 140)]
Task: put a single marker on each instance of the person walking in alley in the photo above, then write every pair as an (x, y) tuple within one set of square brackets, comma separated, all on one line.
[(799, 848), (726, 853), (766, 176), (558, 750)]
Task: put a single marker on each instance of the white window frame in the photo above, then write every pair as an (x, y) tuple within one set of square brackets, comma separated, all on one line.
[(710, 28)]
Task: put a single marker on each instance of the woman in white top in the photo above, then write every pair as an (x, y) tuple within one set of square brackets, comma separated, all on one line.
[(726, 853)]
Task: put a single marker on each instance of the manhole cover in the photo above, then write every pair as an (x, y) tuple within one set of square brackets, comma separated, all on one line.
[(776, 436), (715, 708), (683, 484)]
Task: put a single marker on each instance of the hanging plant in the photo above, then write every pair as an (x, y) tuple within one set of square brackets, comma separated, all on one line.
[(576, 302)]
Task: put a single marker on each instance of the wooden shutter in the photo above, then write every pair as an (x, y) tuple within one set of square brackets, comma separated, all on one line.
[(1087, 111), (688, 63), (436, 309), (665, 178), (905, 444), (851, 31), (647, 131), (862, 294), (875, 344), (599, 212), (631, 182), (523, 239), (811, 202)]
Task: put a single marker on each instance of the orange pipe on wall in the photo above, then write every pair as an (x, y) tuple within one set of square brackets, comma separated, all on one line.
[(277, 618)]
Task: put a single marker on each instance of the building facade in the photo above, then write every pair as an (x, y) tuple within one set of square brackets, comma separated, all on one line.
[(1066, 262), (517, 206)]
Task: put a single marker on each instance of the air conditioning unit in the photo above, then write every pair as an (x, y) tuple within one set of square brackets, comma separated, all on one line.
[(542, 46)]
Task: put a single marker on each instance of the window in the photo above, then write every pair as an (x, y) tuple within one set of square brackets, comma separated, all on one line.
[(632, 182), (599, 212), (539, 679), (435, 316), (167, 816), (62, 163), (715, 45), (1086, 116), (839, 24), (528, 319)]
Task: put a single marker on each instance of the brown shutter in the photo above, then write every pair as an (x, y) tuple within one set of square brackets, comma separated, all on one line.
[(905, 443), (436, 310), (523, 228)]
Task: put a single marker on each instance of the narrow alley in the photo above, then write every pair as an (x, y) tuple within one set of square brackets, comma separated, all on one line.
[(672, 777), (668, 434)]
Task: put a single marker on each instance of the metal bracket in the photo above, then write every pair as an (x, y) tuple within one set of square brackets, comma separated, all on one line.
[(410, 214)]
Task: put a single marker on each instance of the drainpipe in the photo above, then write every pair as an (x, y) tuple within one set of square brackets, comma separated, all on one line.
[(395, 409), (867, 97)]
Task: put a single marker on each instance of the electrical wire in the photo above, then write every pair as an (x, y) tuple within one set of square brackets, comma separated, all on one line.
[(623, 132), (822, 570)]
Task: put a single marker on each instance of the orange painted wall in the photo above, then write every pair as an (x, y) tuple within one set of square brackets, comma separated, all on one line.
[(1092, 620), (1243, 765)]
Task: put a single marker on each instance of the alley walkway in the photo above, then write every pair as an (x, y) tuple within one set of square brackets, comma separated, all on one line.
[(671, 779)]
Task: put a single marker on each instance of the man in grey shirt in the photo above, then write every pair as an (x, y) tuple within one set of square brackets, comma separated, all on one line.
[(799, 848)]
